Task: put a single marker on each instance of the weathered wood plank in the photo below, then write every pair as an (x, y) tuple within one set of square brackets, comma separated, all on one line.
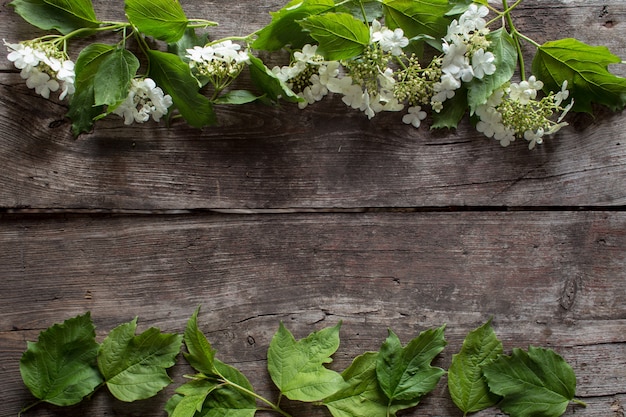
[(547, 279), (326, 156)]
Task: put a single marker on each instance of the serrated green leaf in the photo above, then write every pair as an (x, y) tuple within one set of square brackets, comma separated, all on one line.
[(174, 77), (466, 383), (82, 109), (269, 83), (113, 78), (405, 373), (135, 367), (237, 97), (340, 35), (585, 68), (228, 401), (284, 29), (64, 16), (200, 353), (162, 19), (453, 111), (296, 367), (362, 396), (537, 383), (505, 52), (418, 17), (60, 368), (190, 398)]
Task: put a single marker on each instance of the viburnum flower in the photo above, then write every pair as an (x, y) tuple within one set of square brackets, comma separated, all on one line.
[(482, 63), (44, 67), (144, 100), (414, 116)]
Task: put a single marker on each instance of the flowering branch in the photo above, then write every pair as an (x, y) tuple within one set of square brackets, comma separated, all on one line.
[(371, 54)]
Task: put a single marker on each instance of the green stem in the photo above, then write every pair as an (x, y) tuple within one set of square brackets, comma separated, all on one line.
[(28, 407), (231, 38), (579, 402), (272, 406), (201, 23), (363, 11), (516, 36)]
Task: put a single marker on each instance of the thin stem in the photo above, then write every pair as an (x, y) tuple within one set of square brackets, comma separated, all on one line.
[(201, 23), (28, 407), (579, 402), (516, 35), (363, 11), (231, 38), (273, 406)]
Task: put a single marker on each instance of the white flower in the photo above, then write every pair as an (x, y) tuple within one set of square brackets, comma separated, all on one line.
[(472, 19), (565, 111), (307, 55), (535, 138), (375, 31), (200, 54), (561, 95), (482, 63), (525, 91), (340, 85), (414, 116), (22, 56), (144, 99), (41, 82), (393, 41)]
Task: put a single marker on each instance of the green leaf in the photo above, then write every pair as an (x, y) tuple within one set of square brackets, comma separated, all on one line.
[(237, 97), (296, 367), (134, 367), (60, 368), (505, 52), (537, 383), (187, 41), (229, 401), (373, 8), (200, 353), (64, 16), (585, 68), (269, 83), (174, 77), (362, 396), (418, 17), (405, 373), (112, 80), (453, 111), (162, 19), (284, 28), (466, 383), (82, 109), (190, 398), (340, 35)]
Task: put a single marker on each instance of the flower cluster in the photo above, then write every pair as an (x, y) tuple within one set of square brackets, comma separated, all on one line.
[(515, 111), (144, 100), (44, 67), (465, 56), (218, 64)]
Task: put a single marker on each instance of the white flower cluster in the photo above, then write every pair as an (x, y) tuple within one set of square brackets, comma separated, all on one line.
[(465, 56), (226, 51), (514, 111), (144, 100), (369, 83), (218, 64), (45, 68)]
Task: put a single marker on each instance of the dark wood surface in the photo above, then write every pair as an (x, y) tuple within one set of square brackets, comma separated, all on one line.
[(314, 217)]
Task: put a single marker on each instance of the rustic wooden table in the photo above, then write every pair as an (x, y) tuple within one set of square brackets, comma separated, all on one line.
[(315, 217)]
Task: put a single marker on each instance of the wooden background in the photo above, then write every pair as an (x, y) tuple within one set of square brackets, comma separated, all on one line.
[(316, 216)]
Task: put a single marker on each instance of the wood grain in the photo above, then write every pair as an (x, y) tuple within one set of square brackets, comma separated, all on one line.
[(407, 271), (326, 156)]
